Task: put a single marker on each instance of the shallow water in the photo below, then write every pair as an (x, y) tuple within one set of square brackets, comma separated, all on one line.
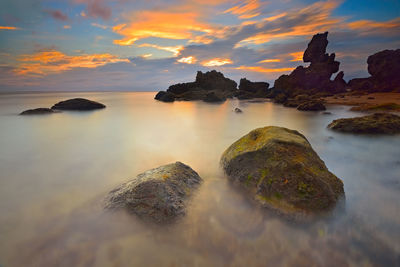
[(56, 169)]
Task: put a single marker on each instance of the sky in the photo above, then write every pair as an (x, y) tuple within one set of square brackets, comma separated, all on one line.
[(135, 45)]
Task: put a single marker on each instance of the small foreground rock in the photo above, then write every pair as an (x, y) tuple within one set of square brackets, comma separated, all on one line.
[(37, 111), (78, 104)]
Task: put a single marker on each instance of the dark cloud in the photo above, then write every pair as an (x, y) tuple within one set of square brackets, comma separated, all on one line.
[(97, 9), (57, 14)]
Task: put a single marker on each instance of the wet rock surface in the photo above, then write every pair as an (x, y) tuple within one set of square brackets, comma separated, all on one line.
[(279, 168), (378, 123), (78, 104), (157, 195)]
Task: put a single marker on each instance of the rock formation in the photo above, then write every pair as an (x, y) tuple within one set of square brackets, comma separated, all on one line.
[(78, 104), (384, 68), (157, 195), (249, 90), (37, 111), (279, 168), (211, 86), (312, 80), (378, 123)]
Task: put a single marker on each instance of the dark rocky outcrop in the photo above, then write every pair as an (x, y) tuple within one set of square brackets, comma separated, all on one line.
[(378, 123), (211, 86), (313, 105), (384, 68), (249, 90), (78, 104), (157, 195), (37, 111), (279, 168), (314, 79)]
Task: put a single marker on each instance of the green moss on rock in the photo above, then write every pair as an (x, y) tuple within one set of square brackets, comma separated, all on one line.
[(291, 178)]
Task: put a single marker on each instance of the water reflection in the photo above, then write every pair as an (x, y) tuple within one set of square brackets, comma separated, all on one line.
[(56, 169)]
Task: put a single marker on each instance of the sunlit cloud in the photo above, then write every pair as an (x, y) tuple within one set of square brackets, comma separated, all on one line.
[(168, 25), (269, 60), (246, 10), (11, 28), (83, 14), (187, 60), (146, 55), (99, 26), (365, 27), (297, 56), (261, 69), (43, 63), (216, 62), (175, 50), (67, 26)]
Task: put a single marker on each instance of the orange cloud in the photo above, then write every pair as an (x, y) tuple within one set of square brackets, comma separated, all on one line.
[(269, 60), (368, 26), (176, 50), (169, 25), (319, 22), (67, 27), (12, 28), (216, 62), (261, 69), (187, 60), (246, 10), (297, 56), (43, 63)]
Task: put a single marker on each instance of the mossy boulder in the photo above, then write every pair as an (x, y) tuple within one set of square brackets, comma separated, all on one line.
[(279, 168), (157, 195), (378, 123)]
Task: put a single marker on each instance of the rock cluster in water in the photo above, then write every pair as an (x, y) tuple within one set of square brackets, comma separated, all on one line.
[(314, 80), (249, 90), (80, 104), (384, 68), (158, 194), (211, 86), (378, 123), (281, 170)]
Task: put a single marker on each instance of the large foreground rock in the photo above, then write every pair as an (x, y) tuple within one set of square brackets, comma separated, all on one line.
[(78, 104), (281, 170), (378, 123), (312, 80), (158, 194), (37, 111), (211, 86), (384, 68)]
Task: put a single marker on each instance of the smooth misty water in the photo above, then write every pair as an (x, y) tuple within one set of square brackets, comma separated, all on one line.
[(56, 169)]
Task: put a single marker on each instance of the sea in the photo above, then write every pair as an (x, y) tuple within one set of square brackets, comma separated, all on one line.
[(56, 170)]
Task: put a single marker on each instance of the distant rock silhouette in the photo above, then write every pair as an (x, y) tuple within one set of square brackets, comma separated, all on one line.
[(384, 68), (312, 80), (37, 111), (78, 104), (313, 105), (249, 90), (211, 86)]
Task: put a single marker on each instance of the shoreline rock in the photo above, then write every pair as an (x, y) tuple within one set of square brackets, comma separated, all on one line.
[(78, 104), (378, 123), (157, 195), (279, 169), (250, 90)]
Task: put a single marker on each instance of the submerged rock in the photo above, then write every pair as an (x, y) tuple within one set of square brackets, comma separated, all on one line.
[(37, 111), (158, 194), (314, 105), (78, 104), (238, 110), (281, 170), (378, 123), (211, 82)]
